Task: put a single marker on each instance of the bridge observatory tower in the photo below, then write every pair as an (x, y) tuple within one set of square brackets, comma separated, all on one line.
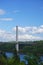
[(17, 45)]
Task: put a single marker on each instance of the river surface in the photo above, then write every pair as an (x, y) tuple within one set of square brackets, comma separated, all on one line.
[(9, 55)]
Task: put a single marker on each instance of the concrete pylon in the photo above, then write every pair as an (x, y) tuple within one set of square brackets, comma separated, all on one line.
[(17, 45)]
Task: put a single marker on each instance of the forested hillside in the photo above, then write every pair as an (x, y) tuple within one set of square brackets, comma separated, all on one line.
[(25, 47)]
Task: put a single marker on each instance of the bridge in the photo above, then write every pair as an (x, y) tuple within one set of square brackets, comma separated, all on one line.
[(17, 45)]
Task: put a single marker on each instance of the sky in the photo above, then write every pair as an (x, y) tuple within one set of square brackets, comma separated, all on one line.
[(26, 14)]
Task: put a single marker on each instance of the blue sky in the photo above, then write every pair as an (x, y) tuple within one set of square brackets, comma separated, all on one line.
[(24, 13)]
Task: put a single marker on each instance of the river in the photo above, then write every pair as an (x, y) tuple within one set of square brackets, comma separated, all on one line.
[(9, 55)]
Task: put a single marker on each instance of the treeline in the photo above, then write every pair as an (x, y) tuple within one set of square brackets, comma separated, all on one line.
[(29, 48), (25, 47), (10, 46), (7, 46), (35, 48)]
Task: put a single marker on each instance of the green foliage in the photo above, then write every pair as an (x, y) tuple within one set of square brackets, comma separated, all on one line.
[(33, 59), (33, 51), (3, 61), (35, 48), (7, 47), (11, 61), (22, 63), (30, 58)]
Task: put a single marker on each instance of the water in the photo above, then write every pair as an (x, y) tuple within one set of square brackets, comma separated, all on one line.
[(9, 55)]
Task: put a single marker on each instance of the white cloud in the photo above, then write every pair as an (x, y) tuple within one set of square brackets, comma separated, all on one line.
[(30, 29), (38, 30), (6, 36), (41, 26), (22, 29), (23, 36), (2, 12), (27, 37), (6, 19), (9, 37), (2, 32)]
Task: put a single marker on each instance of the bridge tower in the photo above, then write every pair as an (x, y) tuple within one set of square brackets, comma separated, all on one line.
[(17, 45)]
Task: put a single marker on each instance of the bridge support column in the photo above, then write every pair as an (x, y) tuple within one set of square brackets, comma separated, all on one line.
[(17, 45)]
